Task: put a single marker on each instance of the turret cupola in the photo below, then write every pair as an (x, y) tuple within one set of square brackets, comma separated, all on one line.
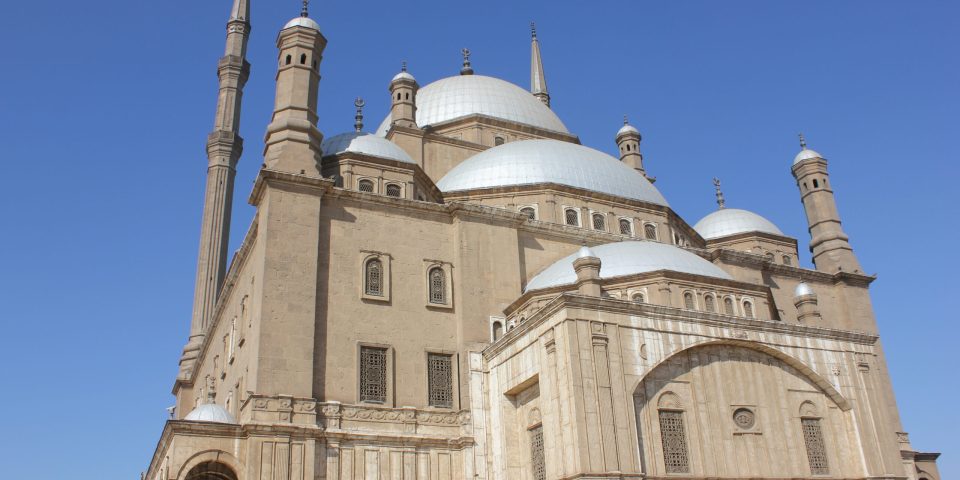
[(628, 141), (403, 91)]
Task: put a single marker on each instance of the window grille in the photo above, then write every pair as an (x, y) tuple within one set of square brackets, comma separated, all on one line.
[(572, 217), (393, 190), (625, 227), (537, 459), (787, 261), (438, 286), (373, 374), (498, 140), (650, 231), (373, 281), (816, 452), (365, 186), (688, 301), (709, 304), (598, 222), (674, 440), (728, 306), (769, 257), (638, 297), (529, 212), (748, 309), (440, 380)]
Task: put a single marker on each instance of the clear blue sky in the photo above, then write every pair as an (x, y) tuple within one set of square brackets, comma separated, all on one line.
[(105, 107)]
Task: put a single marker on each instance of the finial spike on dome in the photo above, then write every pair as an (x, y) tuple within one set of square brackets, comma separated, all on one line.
[(803, 141), (533, 30), (358, 123), (467, 69), (720, 202), (304, 12), (625, 121), (403, 66)]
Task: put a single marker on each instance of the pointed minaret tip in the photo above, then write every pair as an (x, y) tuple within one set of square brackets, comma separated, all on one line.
[(720, 202), (538, 80), (240, 11)]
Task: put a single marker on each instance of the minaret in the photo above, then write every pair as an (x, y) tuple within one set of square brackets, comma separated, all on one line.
[(293, 142), (403, 91), (224, 147), (829, 244), (538, 81), (628, 141)]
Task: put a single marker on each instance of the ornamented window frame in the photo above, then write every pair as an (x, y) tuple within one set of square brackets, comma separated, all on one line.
[(633, 231), (715, 306), (656, 231), (733, 303), (386, 188), (563, 217), (744, 301), (603, 216), (454, 379), (447, 268), (536, 210), (372, 180), (693, 307), (635, 291), (366, 256), (388, 374)]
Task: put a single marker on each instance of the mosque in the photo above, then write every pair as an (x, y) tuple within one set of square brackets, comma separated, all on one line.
[(467, 292)]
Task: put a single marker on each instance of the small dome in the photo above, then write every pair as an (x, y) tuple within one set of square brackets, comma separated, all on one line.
[(731, 221), (403, 76), (528, 162), (367, 144), (455, 97), (585, 252), (805, 154), (628, 258), (210, 412), (627, 128), (803, 289), (302, 22)]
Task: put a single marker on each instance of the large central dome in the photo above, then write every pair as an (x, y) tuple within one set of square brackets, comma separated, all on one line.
[(531, 162), (460, 96)]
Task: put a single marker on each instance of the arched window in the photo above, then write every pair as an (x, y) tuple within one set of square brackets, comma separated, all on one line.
[(303, 59), (211, 471), (688, 301), (498, 140), (709, 304), (393, 190), (406, 96), (638, 298), (373, 278), (289, 59), (748, 309), (438, 286), (497, 330), (399, 95), (728, 306), (787, 260), (625, 227), (365, 186), (572, 217), (650, 231), (530, 212), (599, 222), (816, 184)]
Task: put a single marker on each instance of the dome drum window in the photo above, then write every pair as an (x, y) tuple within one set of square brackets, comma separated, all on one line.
[(728, 308), (366, 185), (599, 221), (626, 227), (529, 211), (571, 217), (650, 231), (394, 190), (710, 303), (689, 301)]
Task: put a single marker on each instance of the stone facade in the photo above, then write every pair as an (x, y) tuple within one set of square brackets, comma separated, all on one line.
[(363, 332)]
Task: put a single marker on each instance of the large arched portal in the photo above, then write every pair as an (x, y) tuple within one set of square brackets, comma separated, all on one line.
[(725, 410), (211, 471)]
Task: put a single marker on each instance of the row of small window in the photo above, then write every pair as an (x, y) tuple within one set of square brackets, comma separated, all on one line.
[(375, 278), (391, 189), (710, 304), (375, 377), (303, 60), (816, 184), (598, 221), (772, 258), (676, 458)]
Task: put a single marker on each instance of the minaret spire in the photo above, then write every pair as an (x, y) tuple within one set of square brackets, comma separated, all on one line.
[(538, 81), (720, 202), (224, 147), (358, 119)]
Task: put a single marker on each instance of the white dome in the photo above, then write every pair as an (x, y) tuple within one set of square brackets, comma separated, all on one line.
[(803, 289), (464, 95), (528, 162), (628, 258), (404, 76), (805, 154), (302, 22), (627, 128), (367, 144), (731, 221), (210, 412)]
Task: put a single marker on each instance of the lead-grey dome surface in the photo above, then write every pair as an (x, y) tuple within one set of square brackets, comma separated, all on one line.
[(731, 221), (365, 143), (805, 154), (463, 95), (302, 22), (529, 162), (628, 258), (210, 412)]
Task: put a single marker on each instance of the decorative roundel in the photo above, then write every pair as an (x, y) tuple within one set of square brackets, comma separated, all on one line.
[(744, 418)]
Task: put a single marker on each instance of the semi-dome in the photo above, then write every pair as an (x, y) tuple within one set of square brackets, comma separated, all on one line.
[(529, 162), (731, 221), (805, 154), (628, 258), (302, 22), (464, 95), (367, 144), (210, 412)]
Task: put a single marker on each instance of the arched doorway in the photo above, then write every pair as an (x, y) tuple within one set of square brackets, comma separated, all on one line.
[(211, 471)]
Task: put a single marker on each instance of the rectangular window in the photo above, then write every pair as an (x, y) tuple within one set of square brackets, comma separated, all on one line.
[(440, 380), (816, 452), (537, 460), (373, 374), (674, 440)]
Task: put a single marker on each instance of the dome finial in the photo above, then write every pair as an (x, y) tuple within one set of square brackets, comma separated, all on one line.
[(304, 11), (625, 121), (403, 66), (533, 30), (803, 141), (720, 202), (358, 123), (467, 69)]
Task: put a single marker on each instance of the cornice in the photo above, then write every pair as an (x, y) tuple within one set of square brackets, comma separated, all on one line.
[(782, 239), (482, 119), (804, 274), (554, 188), (273, 177)]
